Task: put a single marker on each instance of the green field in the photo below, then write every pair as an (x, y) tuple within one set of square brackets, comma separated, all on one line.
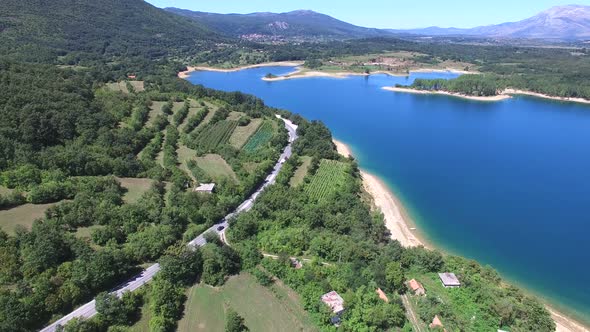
[(241, 134), (216, 167), (155, 110), (216, 135), (86, 232), (184, 155), (262, 136), (135, 188), (138, 86), (330, 175), (22, 215), (300, 172), (263, 309)]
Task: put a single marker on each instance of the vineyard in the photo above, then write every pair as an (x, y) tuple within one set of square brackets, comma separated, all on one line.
[(262, 136), (329, 177), (216, 135)]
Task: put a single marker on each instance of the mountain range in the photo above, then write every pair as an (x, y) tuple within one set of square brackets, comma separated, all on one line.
[(570, 22), (299, 23)]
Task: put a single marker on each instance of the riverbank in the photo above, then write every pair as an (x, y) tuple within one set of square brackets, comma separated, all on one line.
[(397, 220), (401, 226), (446, 93), (303, 73), (190, 69), (540, 95)]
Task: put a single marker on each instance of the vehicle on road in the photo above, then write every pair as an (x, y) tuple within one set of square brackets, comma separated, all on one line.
[(220, 228)]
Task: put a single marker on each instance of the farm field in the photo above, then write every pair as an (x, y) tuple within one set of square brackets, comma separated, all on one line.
[(241, 134), (184, 155), (235, 115), (155, 110), (300, 172), (216, 167), (216, 135), (192, 111), (135, 188), (210, 114), (22, 215), (122, 86), (261, 308), (330, 175), (262, 136)]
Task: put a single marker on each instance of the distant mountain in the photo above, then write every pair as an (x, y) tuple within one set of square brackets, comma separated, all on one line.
[(562, 22), (105, 27), (295, 24)]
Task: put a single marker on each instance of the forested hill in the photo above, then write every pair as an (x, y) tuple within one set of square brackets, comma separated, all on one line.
[(302, 24), (37, 30)]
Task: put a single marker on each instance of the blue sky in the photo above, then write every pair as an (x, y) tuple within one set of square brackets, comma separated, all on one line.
[(387, 13)]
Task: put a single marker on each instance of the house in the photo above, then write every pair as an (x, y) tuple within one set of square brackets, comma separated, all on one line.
[(436, 323), (449, 280), (416, 287), (382, 295), (296, 263), (334, 301), (205, 188), (132, 77)]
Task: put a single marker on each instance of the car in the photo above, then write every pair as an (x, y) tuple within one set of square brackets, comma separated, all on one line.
[(220, 228)]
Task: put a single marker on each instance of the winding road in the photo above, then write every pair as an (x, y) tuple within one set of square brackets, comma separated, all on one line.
[(88, 310)]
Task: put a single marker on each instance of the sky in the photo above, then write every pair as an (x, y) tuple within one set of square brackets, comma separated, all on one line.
[(396, 14)]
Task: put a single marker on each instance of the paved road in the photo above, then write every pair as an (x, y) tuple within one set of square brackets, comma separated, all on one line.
[(88, 310)]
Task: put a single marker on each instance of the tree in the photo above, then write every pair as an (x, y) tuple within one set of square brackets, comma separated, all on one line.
[(182, 269), (234, 322), (394, 275)]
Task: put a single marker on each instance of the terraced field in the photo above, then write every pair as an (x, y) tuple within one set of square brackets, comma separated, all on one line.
[(216, 135), (216, 167), (262, 136), (328, 178), (242, 133), (300, 172)]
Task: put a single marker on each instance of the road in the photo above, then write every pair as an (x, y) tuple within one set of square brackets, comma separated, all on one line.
[(88, 310)]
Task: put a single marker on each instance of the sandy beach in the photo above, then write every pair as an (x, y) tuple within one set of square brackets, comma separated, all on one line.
[(445, 93), (540, 95), (190, 69), (396, 219), (506, 94), (399, 224)]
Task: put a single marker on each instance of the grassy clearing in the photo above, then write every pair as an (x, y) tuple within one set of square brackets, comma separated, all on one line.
[(300, 172), (135, 188), (207, 119), (235, 115), (86, 232), (262, 136), (4, 190), (251, 166), (155, 110), (241, 134), (184, 155), (143, 324), (216, 167), (138, 86), (329, 177), (22, 215), (263, 309), (216, 135), (192, 111)]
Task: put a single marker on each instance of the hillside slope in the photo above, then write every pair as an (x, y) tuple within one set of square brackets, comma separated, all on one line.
[(303, 24), (38, 30)]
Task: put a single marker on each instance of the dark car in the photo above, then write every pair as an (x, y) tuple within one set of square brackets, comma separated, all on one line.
[(220, 228)]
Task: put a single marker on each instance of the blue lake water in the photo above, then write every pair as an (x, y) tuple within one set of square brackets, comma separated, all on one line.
[(506, 183)]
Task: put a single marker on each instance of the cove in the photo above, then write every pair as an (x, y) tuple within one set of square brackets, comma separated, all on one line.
[(506, 183)]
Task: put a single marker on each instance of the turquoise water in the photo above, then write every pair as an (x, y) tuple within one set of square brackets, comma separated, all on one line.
[(506, 183)]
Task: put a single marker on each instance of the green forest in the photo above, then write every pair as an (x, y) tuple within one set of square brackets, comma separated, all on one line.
[(97, 126)]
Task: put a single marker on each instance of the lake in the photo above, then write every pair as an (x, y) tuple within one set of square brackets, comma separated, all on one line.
[(506, 183)]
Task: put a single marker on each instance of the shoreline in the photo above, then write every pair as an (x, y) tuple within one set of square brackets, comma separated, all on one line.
[(397, 220), (399, 223), (506, 94), (190, 69), (446, 93)]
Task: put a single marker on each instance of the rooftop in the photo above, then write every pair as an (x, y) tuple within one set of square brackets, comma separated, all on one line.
[(205, 187), (334, 301), (449, 279), (414, 285)]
